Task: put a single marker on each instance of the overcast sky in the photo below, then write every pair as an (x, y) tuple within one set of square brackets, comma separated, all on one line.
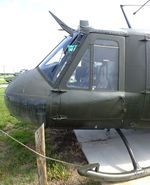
[(28, 32)]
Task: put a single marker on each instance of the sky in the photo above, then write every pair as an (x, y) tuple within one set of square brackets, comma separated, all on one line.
[(28, 32)]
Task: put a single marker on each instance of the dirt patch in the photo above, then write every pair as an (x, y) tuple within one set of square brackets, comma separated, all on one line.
[(65, 145)]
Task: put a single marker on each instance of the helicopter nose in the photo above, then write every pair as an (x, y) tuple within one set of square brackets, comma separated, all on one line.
[(28, 97)]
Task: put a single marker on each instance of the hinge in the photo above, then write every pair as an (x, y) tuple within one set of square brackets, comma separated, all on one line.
[(123, 102)]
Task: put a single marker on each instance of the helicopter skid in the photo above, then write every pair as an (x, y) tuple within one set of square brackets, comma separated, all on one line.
[(113, 166), (92, 172)]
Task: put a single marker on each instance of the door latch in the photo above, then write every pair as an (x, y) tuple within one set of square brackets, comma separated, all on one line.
[(122, 99)]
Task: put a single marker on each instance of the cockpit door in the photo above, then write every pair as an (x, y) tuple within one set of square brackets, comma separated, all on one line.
[(93, 85)]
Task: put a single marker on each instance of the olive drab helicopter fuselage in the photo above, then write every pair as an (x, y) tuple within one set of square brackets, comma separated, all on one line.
[(93, 79)]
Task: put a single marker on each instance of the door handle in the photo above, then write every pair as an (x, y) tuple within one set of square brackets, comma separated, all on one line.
[(145, 92), (58, 91), (59, 117)]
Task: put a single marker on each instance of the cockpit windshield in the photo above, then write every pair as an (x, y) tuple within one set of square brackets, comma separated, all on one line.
[(55, 62)]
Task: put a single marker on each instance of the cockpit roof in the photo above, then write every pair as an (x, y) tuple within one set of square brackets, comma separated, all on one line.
[(119, 32)]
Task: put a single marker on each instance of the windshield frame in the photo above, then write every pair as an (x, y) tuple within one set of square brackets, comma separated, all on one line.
[(66, 41)]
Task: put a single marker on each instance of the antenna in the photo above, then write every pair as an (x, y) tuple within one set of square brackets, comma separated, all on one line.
[(140, 7), (127, 21), (125, 16)]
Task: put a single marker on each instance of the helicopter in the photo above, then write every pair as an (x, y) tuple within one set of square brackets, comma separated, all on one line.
[(93, 79)]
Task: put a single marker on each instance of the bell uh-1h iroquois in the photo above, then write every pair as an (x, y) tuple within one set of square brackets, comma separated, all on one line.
[(93, 79)]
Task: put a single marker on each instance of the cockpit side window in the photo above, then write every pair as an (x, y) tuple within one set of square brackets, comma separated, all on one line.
[(81, 75), (52, 66), (105, 65)]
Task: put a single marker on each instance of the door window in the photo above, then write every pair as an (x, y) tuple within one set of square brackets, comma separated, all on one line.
[(105, 65), (81, 75)]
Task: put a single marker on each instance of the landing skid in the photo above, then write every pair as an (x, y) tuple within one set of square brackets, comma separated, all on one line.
[(93, 170)]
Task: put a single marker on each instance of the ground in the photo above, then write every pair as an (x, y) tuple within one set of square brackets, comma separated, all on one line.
[(68, 149), (65, 148)]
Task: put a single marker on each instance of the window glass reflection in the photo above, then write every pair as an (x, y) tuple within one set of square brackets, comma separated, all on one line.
[(105, 67)]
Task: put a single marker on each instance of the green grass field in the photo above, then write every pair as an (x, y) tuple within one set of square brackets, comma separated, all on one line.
[(18, 165), (2, 80)]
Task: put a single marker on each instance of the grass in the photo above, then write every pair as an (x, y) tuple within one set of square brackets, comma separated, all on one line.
[(14, 158), (2, 80), (18, 165), (5, 79), (57, 171), (5, 118)]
